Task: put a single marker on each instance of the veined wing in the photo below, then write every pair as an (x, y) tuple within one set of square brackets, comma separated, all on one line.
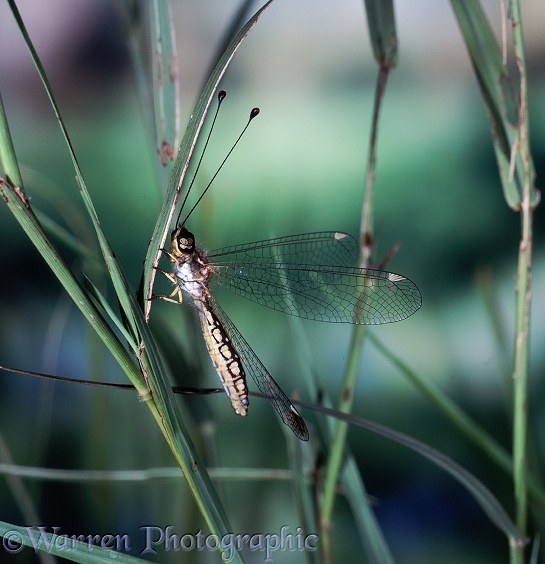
[(265, 382), (305, 275), (325, 247), (335, 294)]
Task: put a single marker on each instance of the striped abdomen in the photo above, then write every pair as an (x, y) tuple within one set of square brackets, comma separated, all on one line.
[(224, 357)]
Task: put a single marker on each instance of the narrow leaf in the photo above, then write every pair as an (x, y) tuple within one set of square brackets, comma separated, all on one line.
[(382, 30), (184, 155), (499, 97), (166, 88)]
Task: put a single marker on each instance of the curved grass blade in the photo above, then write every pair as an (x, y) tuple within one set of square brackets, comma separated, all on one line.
[(23, 213), (482, 495), (478, 436), (500, 100), (161, 402), (234, 24), (151, 373), (184, 155)]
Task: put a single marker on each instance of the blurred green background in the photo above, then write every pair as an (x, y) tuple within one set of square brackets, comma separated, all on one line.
[(300, 167)]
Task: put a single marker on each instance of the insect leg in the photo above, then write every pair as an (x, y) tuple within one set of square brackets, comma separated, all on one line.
[(176, 292)]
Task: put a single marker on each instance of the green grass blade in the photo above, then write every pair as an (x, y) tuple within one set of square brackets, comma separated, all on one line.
[(38, 237), (167, 414), (184, 155), (61, 234), (374, 543), (21, 210), (168, 473), (521, 369), (103, 303), (151, 371), (508, 112), (8, 158), (166, 87), (482, 495), (523, 291), (150, 37), (133, 21), (382, 30), (161, 401), (486, 500), (235, 22), (47, 86), (449, 409), (383, 35), (497, 91), (370, 533), (340, 430), (459, 419)]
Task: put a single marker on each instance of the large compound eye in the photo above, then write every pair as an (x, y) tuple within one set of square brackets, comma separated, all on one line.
[(185, 242)]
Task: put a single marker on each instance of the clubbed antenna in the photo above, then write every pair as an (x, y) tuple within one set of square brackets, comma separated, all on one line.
[(253, 114)]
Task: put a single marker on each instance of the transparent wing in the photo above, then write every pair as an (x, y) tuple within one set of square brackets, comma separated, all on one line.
[(335, 294), (312, 276), (265, 382), (325, 247)]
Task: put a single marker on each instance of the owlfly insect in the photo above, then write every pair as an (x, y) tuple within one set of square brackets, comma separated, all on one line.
[(310, 275)]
